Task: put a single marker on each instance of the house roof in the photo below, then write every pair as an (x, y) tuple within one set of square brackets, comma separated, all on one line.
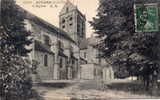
[(42, 47)]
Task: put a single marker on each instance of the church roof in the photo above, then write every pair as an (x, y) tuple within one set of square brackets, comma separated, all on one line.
[(53, 29)]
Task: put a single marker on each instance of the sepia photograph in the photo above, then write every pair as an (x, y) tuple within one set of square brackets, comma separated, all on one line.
[(79, 49)]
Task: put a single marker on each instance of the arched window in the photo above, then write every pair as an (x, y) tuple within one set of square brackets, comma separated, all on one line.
[(95, 72), (85, 54), (71, 50), (63, 26), (47, 40), (63, 21), (70, 18), (60, 45), (61, 63), (45, 60), (67, 9)]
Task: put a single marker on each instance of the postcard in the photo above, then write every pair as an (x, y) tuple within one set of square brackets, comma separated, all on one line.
[(79, 49)]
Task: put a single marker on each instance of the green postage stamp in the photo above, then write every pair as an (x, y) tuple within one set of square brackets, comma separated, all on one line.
[(146, 17)]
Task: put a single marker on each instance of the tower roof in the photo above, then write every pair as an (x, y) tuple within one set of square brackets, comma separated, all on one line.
[(67, 7)]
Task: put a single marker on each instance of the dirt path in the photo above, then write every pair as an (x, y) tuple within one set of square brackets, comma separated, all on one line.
[(84, 90)]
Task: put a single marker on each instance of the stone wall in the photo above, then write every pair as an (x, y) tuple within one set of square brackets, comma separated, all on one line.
[(44, 72), (108, 73), (91, 72)]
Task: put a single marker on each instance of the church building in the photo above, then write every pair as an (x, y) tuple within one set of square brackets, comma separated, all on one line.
[(61, 52)]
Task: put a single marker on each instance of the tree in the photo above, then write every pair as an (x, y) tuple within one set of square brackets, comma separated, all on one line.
[(13, 23), (128, 50), (15, 82)]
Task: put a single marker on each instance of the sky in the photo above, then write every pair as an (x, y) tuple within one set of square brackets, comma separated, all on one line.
[(49, 10)]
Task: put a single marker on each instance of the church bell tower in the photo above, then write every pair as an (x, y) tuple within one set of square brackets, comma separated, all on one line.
[(72, 21)]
